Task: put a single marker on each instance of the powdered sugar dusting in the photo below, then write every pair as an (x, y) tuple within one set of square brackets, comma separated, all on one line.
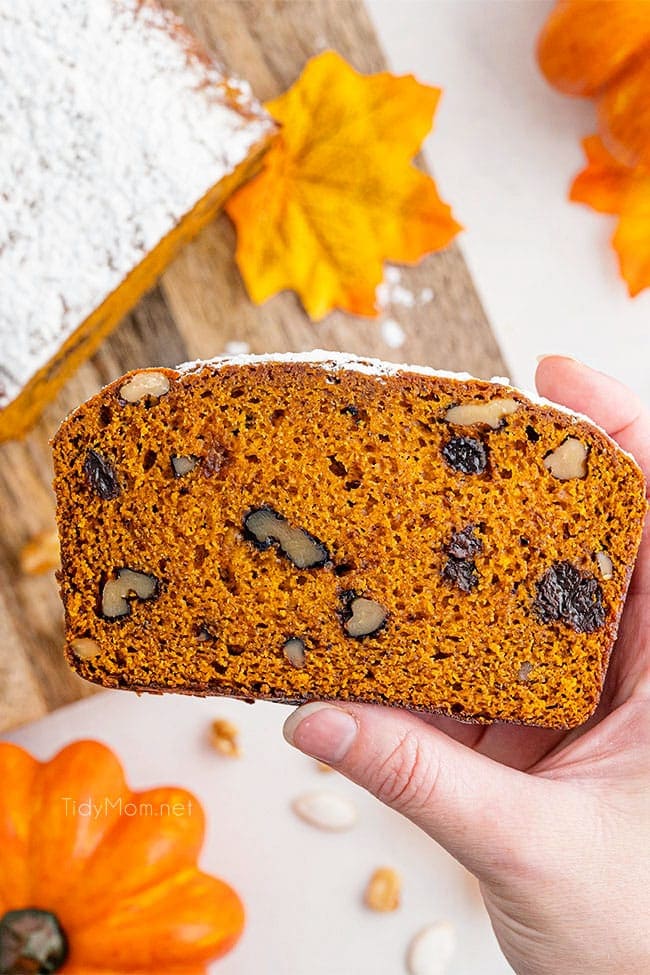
[(392, 333), (328, 360), (392, 292), (237, 347), (112, 129)]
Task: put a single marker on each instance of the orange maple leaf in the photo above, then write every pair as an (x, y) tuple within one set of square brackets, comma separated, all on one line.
[(338, 194), (610, 187)]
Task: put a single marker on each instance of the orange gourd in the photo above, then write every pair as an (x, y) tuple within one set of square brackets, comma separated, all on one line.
[(95, 878), (593, 49), (602, 50)]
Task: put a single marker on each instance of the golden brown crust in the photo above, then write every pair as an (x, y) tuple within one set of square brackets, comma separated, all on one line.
[(465, 564)]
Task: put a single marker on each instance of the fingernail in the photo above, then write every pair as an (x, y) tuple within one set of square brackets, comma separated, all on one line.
[(321, 730), (556, 355)]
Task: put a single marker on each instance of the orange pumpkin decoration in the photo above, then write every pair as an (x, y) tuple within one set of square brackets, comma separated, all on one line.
[(602, 50), (98, 880)]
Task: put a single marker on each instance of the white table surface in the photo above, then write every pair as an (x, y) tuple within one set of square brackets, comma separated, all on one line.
[(504, 150)]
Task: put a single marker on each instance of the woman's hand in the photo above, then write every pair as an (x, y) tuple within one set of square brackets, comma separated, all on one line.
[(555, 825)]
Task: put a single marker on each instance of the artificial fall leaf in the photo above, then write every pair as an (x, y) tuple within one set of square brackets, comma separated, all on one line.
[(338, 194), (604, 183), (610, 187), (632, 238), (585, 43), (624, 112)]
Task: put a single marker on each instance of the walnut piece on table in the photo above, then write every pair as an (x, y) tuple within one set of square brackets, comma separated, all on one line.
[(224, 736), (40, 554)]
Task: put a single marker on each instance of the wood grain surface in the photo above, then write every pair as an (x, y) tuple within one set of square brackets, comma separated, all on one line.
[(199, 306)]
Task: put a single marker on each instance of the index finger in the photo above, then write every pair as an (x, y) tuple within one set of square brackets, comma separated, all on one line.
[(615, 408), (608, 402)]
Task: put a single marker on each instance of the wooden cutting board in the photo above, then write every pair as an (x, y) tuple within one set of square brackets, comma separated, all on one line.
[(199, 306)]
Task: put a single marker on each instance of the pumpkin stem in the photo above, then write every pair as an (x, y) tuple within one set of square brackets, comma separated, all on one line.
[(32, 942)]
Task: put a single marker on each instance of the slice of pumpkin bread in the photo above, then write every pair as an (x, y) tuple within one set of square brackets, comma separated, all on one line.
[(299, 527)]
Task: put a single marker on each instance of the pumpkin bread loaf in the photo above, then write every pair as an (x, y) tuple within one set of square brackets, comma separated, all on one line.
[(299, 527), (121, 139)]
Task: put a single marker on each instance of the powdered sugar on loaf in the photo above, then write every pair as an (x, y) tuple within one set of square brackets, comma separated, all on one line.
[(113, 127)]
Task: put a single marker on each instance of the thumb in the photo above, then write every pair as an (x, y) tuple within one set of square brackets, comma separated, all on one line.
[(482, 812)]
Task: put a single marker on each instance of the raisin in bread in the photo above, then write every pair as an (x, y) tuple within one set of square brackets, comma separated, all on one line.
[(121, 138), (299, 527)]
